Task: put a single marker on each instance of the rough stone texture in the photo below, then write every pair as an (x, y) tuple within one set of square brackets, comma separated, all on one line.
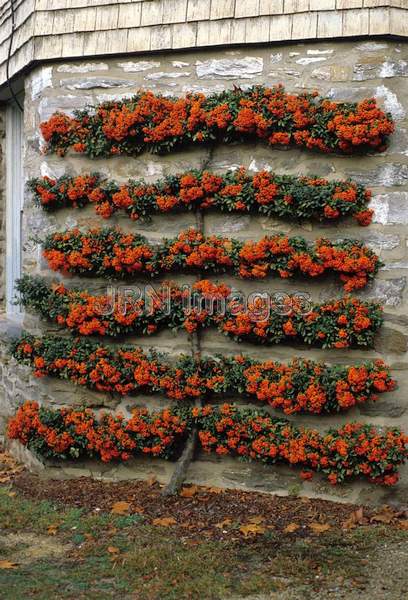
[(386, 175), (83, 68), (215, 70), (244, 68), (68, 29), (83, 83), (391, 208)]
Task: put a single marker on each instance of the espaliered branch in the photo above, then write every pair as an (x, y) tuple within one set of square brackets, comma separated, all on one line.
[(336, 324), (151, 122), (302, 386), (283, 196), (355, 450), (115, 254)]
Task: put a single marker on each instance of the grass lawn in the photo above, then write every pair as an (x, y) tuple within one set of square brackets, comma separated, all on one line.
[(92, 540)]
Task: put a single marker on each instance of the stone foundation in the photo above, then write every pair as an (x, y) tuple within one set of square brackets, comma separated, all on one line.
[(224, 472)]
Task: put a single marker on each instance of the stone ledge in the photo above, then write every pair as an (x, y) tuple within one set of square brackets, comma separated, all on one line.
[(222, 472)]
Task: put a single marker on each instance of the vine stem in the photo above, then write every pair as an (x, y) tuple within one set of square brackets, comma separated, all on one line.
[(180, 471), (187, 456)]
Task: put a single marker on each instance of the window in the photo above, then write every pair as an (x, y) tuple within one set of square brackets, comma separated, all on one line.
[(14, 203)]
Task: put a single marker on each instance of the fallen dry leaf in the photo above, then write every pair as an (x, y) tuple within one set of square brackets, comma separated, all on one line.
[(252, 529), (189, 492), (403, 524), (7, 564), (52, 530), (291, 528), (223, 523), (138, 509), (164, 521), (113, 550), (257, 519), (385, 516), (215, 490), (120, 508), (319, 527), (356, 518)]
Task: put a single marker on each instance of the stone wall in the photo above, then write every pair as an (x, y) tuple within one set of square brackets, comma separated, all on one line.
[(343, 70), (49, 29)]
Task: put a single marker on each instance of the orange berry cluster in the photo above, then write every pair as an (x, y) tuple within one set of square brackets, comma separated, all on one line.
[(348, 322), (301, 386), (355, 450), (112, 253), (151, 122), (284, 196)]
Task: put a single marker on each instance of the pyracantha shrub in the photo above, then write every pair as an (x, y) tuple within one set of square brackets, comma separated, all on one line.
[(301, 386), (285, 196), (354, 450), (115, 254), (70, 433), (158, 124), (347, 322)]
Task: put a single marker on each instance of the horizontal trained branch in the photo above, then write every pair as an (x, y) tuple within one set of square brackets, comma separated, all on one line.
[(301, 386), (115, 254), (347, 322), (158, 124), (354, 450), (284, 196)]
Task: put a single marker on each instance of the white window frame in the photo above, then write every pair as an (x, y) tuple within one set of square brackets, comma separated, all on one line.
[(14, 204)]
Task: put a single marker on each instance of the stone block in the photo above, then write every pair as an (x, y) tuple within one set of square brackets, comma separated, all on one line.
[(83, 67), (381, 241), (390, 101), (391, 340), (230, 68), (385, 174), (91, 83), (164, 75), (138, 66), (40, 80), (389, 291), (332, 73)]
